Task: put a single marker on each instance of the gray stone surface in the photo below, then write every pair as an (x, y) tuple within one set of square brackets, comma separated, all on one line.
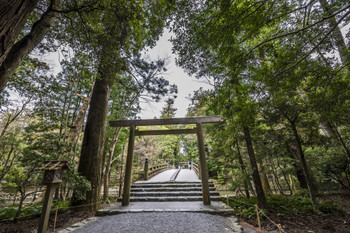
[(161, 177), (187, 175), (160, 222), (165, 206)]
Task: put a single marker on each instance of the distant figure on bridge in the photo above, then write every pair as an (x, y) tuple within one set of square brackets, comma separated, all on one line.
[(189, 165)]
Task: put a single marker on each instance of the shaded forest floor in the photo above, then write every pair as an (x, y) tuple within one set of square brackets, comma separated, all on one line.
[(295, 214), (64, 220)]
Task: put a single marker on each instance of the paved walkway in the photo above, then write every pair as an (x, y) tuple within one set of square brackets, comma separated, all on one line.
[(169, 222), (185, 175), (188, 206), (163, 217)]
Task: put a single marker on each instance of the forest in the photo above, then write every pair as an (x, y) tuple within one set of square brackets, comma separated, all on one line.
[(280, 77)]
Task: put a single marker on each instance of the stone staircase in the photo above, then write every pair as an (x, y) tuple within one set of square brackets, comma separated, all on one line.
[(170, 191)]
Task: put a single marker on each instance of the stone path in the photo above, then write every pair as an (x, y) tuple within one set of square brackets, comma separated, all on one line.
[(169, 222), (187, 175), (163, 217), (161, 177), (188, 206), (184, 175)]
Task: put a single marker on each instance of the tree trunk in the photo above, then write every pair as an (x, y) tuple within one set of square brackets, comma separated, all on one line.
[(310, 186), (244, 171), (298, 169), (256, 177), (19, 210), (79, 120), (336, 35), (341, 140), (93, 142), (25, 45), (109, 163), (285, 177), (13, 15), (264, 181), (275, 175)]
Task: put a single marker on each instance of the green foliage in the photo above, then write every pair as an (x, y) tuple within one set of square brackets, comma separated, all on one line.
[(79, 184), (282, 206), (29, 211)]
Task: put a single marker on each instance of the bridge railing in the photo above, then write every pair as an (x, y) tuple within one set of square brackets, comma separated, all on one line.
[(149, 172), (196, 169), (157, 169)]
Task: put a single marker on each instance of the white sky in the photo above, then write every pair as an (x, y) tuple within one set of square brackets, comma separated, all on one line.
[(186, 85), (175, 75)]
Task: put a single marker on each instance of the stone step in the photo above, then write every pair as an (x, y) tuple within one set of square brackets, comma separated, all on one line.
[(170, 194), (169, 189), (172, 198)]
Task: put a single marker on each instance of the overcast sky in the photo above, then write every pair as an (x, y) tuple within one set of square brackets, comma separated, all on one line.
[(186, 85)]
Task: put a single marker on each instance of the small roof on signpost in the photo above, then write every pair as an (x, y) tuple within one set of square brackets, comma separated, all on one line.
[(52, 165)]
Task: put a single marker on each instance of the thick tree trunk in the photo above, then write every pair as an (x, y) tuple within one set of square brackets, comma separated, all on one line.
[(21, 48), (256, 177), (13, 15), (298, 169), (336, 35), (264, 181), (310, 185), (93, 142)]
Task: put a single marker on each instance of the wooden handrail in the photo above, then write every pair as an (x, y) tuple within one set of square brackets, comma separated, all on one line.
[(152, 171), (196, 169), (156, 169)]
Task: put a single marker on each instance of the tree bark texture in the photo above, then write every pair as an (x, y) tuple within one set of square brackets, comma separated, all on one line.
[(264, 181), (310, 185), (93, 142), (79, 120), (293, 153), (20, 49), (13, 15), (244, 171), (337, 35), (256, 177), (109, 163)]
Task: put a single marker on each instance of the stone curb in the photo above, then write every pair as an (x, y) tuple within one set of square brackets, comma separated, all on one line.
[(228, 212), (79, 225)]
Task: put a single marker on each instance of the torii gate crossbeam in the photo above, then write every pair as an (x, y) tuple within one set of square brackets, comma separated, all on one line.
[(198, 121)]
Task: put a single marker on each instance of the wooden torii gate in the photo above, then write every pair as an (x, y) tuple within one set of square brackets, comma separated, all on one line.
[(198, 121)]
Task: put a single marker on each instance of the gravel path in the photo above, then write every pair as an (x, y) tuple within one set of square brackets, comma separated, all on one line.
[(170, 222)]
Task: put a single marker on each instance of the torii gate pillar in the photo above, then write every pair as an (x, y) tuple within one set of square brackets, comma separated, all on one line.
[(173, 121), (128, 168), (203, 166)]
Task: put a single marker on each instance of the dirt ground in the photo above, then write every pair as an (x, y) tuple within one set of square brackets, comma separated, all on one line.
[(306, 224), (309, 223), (31, 225)]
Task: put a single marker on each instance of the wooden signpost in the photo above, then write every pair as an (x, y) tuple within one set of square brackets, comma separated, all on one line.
[(53, 171)]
